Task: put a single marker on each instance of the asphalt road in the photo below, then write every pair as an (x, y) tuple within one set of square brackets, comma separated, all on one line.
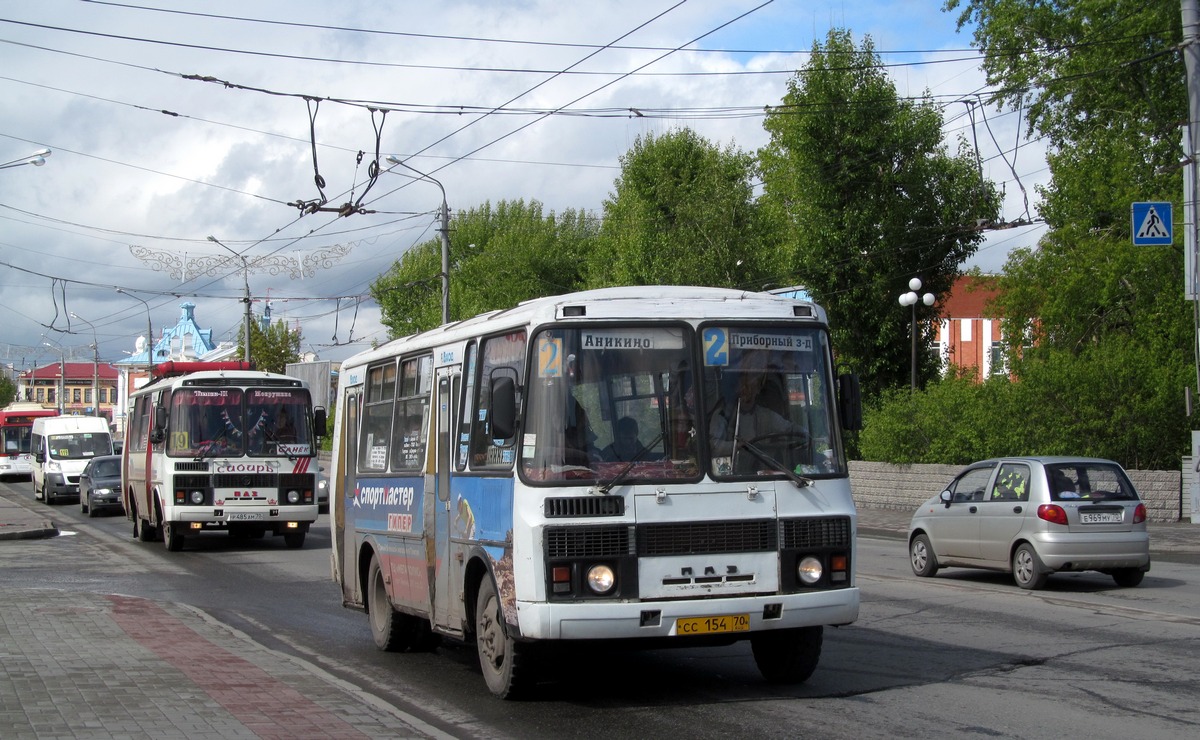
[(961, 654)]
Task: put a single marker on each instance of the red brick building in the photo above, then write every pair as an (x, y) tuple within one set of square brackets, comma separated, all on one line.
[(967, 333)]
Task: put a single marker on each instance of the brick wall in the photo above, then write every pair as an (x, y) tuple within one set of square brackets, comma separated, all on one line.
[(905, 487)]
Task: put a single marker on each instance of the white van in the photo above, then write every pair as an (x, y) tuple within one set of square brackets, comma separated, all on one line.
[(61, 447)]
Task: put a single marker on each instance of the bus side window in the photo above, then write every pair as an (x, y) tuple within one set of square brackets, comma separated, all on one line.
[(377, 417)]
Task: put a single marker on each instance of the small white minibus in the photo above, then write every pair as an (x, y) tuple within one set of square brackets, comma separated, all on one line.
[(62, 446)]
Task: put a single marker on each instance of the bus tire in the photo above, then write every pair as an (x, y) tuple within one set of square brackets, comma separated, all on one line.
[(387, 625), (506, 664), (172, 537), (294, 540), (787, 656)]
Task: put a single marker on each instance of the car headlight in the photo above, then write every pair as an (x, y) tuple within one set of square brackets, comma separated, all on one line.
[(601, 579), (102, 491), (293, 496), (197, 497), (809, 570)]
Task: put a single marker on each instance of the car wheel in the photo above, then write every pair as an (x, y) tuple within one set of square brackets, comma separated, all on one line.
[(787, 656), (506, 664), (1128, 577), (921, 557), (1027, 568)]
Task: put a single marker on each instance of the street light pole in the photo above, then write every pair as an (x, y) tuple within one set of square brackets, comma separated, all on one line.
[(444, 219), (246, 298), (95, 365), (149, 334), (37, 159), (912, 299)]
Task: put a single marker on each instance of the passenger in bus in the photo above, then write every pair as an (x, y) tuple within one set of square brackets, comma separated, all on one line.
[(625, 445)]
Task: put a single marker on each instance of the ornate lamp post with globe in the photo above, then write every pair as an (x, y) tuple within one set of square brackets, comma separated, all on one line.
[(911, 298)]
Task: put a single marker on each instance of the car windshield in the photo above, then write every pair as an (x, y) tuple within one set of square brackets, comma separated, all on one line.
[(1089, 482), (107, 468), (78, 446)]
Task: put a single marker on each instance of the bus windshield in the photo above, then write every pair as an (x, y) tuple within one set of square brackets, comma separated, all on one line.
[(609, 402), (266, 422), (770, 401), (16, 439)]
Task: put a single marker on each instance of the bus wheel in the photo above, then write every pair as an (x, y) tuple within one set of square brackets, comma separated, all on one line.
[(787, 656), (506, 663), (387, 624), (294, 540), (172, 537)]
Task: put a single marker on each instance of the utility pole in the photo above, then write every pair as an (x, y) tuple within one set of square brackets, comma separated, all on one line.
[(1191, 60)]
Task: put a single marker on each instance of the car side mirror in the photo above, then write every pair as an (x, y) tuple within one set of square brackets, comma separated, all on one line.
[(946, 498)]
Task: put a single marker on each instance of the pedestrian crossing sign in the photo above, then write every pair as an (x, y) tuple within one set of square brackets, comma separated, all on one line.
[(1152, 224)]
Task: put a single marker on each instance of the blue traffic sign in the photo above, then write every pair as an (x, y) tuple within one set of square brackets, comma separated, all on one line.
[(1151, 224)]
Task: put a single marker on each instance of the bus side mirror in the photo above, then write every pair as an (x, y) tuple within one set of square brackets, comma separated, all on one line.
[(159, 432), (319, 421), (850, 402), (39, 457), (504, 407)]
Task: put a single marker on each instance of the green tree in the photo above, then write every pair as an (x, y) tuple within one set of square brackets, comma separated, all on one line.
[(273, 349), (499, 256), (682, 213), (8, 391), (1103, 82), (866, 196)]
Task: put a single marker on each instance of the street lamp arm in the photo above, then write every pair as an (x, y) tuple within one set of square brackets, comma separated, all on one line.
[(444, 232)]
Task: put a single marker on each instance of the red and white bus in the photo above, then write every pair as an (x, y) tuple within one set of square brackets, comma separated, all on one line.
[(219, 446), (656, 465), (16, 425)]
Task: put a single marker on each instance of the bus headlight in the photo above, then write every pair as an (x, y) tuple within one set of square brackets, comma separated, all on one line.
[(293, 496), (601, 579), (809, 570), (197, 497)]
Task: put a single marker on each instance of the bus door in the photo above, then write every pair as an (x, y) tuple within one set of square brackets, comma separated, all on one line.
[(447, 609), (345, 543)]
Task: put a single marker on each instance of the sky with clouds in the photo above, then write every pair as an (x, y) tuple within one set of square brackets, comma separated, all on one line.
[(173, 122)]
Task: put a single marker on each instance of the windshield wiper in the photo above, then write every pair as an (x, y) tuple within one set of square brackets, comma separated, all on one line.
[(798, 480), (210, 448), (619, 477)]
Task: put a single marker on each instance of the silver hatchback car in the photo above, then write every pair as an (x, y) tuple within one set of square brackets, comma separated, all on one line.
[(1033, 516)]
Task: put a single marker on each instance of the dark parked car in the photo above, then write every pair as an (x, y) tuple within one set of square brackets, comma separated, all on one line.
[(100, 485), (1033, 516)]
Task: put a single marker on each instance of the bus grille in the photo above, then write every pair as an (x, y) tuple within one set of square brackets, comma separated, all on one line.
[(692, 538), (588, 542), (576, 506), (805, 534), (245, 480)]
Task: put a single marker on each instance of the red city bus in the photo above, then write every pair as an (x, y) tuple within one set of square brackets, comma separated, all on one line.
[(16, 426)]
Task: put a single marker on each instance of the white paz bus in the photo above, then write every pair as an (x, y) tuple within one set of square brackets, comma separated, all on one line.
[(659, 464), (217, 446)]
